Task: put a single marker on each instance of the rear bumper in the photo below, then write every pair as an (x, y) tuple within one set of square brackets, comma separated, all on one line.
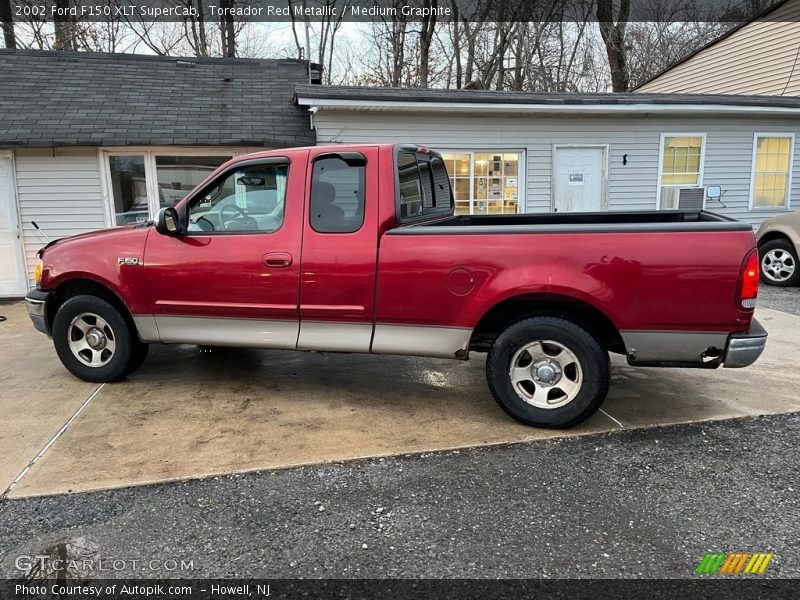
[(36, 302), (743, 349)]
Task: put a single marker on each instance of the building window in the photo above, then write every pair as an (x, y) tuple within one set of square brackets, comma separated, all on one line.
[(485, 182), (140, 183), (772, 168), (681, 167), (128, 189), (176, 176)]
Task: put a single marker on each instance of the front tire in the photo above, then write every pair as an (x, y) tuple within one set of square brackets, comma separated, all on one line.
[(94, 341), (779, 264), (548, 372)]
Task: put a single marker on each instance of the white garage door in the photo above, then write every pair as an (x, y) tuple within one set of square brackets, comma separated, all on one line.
[(12, 273)]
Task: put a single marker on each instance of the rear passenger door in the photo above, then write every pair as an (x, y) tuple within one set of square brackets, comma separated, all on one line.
[(337, 274)]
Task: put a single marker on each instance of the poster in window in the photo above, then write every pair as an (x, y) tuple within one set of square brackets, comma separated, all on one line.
[(495, 191)]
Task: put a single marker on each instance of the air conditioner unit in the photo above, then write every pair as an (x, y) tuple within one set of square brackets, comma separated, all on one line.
[(673, 198), (691, 198)]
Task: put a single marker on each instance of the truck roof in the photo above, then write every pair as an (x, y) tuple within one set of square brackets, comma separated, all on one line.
[(330, 147)]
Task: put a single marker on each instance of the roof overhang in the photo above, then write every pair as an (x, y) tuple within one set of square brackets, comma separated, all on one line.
[(317, 104)]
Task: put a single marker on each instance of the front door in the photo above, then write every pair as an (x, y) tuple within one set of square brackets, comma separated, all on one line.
[(579, 182), (233, 277), (12, 272)]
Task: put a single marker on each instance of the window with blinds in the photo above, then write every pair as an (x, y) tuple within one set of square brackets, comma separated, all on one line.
[(772, 167), (681, 170)]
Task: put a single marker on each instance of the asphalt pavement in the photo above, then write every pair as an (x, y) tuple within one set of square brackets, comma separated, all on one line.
[(786, 299), (635, 503)]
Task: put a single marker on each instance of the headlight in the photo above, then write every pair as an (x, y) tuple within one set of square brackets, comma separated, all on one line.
[(37, 272)]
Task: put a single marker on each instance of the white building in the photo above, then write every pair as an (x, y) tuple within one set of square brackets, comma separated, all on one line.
[(524, 152)]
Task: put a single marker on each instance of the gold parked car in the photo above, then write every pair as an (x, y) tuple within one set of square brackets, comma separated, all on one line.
[(778, 244)]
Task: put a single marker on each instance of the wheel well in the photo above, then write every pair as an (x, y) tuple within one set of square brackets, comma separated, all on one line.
[(772, 236), (77, 287), (515, 309)]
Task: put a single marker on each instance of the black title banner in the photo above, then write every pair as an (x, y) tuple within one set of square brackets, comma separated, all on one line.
[(387, 589), (397, 10)]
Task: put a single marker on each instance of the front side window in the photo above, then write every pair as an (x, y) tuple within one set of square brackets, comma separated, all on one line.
[(484, 183), (248, 199), (771, 168), (681, 167), (337, 193)]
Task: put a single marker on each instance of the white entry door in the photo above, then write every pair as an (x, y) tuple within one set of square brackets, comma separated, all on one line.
[(12, 271), (579, 180)]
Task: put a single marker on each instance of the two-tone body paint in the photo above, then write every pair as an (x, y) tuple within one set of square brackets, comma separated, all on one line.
[(375, 290)]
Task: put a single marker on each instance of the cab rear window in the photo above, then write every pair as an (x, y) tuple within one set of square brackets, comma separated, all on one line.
[(423, 186)]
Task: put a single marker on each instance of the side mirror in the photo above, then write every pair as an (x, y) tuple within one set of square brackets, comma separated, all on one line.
[(167, 221)]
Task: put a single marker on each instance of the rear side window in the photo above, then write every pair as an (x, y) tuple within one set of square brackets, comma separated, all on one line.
[(423, 185), (337, 193)]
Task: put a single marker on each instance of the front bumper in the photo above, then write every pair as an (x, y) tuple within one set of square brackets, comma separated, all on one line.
[(37, 302), (743, 349)]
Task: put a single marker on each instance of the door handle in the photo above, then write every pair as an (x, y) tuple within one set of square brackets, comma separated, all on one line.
[(277, 260)]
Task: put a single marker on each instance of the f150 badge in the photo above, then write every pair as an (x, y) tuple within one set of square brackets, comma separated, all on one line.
[(130, 261)]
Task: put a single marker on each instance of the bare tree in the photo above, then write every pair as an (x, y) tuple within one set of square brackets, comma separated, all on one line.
[(64, 28), (613, 33), (428, 26), (227, 30), (7, 20), (197, 29)]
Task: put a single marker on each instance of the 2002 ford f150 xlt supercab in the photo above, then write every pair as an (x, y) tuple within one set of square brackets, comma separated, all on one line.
[(357, 248)]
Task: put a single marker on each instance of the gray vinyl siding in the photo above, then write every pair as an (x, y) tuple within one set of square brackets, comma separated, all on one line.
[(759, 58), (728, 152), (61, 190)]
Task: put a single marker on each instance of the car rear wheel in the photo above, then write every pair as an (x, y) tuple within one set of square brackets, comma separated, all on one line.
[(779, 263), (94, 341), (548, 372)]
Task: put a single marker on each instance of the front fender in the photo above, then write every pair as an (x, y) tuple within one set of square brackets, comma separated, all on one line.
[(111, 258)]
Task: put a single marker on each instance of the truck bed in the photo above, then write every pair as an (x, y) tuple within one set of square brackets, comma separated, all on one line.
[(590, 222)]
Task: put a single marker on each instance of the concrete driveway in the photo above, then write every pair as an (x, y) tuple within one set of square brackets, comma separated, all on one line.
[(187, 414)]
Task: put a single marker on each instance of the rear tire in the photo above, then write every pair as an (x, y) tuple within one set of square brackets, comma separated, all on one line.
[(94, 341), (778, 263), (548, 372)]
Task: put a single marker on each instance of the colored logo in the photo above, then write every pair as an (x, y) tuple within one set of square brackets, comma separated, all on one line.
[(733, 563)]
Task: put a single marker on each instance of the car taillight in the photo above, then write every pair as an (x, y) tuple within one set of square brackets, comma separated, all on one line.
[(748, 282)]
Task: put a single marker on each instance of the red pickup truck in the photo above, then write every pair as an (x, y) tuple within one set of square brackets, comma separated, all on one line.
[(357, 249)]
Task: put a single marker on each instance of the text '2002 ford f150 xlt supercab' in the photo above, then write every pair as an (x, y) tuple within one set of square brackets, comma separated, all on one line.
[(357, 248)]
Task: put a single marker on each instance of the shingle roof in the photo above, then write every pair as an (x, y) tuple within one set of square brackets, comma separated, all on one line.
[(71, 98), (368, 94)]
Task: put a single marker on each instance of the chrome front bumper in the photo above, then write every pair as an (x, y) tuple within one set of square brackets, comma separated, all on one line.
[(36, 302), (743, 349)]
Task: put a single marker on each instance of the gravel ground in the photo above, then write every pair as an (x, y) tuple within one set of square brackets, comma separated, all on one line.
[(786, 299), (639, 503)]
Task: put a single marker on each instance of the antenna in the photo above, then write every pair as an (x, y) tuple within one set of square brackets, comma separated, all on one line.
[(42, 233)]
